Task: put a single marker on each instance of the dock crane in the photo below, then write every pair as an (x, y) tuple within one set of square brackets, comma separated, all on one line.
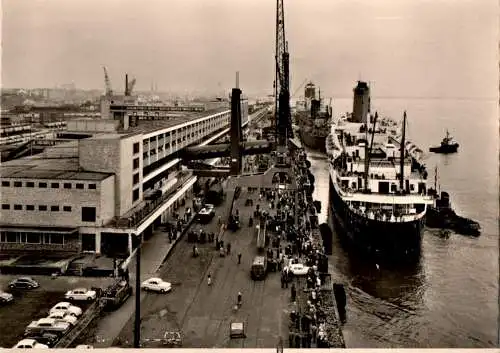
[(107, 83), (283, 117), (129, 85)]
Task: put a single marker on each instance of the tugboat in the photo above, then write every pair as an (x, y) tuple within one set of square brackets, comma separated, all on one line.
[(441, 214), (448, 145)]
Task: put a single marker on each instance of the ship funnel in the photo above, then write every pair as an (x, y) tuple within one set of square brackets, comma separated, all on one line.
[(361, 104)]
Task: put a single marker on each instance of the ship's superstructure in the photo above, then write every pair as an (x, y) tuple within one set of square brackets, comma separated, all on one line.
[(378, 189), (313, 117)]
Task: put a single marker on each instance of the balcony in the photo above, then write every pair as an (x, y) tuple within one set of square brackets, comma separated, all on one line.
[(138, 214)]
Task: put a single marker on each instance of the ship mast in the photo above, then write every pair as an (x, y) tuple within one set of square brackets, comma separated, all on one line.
[(402, 155), (368, 151)]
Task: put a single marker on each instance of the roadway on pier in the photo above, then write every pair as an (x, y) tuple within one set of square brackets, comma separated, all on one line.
[(203, 313)]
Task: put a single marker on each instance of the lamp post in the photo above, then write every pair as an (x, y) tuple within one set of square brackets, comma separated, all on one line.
[(137, 319)]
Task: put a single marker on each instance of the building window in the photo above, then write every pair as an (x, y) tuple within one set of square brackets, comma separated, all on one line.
[(54, 185), (67, 185), (67, 208), (56, 239), (79, 186), (5, 183), (30, 184), (135, 195), (136, 178), (92, 186), (42, 185), (136, 147), (33, 238), (42, 208), (54, 208), (30, 207), (11, 237), (5, 206), (18, 207), (88, 214), (18, 184), (136, 163)]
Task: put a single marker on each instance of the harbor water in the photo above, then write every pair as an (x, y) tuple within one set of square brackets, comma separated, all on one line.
[(451, 298)]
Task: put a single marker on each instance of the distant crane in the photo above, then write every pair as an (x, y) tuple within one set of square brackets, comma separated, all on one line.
[(107, 83), (299, 88), (129, 85)]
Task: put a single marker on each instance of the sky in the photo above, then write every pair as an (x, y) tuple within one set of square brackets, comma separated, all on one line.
[(405, 48)]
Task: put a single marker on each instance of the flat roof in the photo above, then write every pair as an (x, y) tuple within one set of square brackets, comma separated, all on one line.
[(48, 168), (147, 126)]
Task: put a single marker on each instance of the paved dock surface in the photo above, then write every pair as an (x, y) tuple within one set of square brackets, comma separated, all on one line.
[(203, 313)]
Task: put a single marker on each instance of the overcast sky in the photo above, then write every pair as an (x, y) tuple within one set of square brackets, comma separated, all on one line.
[(424, 48)]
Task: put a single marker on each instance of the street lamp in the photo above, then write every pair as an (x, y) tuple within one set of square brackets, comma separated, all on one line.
[(137, 318)]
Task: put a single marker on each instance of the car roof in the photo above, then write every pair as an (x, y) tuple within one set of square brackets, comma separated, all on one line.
[(62, 312), (25, 279), (63, 303), (81, 288), (29, 341), (259, 259), (46, 320), (155, 279)]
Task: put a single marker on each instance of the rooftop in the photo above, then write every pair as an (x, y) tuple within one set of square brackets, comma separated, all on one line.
[(44, 168), (146, 126)]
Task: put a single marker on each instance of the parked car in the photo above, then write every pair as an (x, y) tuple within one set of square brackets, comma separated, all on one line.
[(63, 316), (29, 343), (81, 294), (298, 269), (24, 283), (156, 285), (5, 297), (66, 307), (47, 325), (49, 339), (84, 346)]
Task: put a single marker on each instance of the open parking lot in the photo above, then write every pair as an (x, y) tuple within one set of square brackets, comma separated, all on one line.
[(29, 305)]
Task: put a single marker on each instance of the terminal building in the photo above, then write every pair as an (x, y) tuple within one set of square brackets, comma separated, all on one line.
[(110, 180)]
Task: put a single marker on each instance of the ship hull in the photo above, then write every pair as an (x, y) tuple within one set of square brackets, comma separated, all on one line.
[(445, 149), (384, 242), (311, 141)]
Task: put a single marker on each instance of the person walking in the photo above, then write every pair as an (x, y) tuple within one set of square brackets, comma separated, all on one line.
[(209, 279), (239, 258), (240, 298)]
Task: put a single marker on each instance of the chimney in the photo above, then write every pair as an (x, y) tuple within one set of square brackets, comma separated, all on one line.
[(126, 84)]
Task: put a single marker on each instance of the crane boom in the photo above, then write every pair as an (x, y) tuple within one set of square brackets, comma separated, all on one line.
[(107, 83)]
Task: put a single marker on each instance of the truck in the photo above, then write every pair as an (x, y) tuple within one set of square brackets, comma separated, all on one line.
[(115, 295), (260, 232)]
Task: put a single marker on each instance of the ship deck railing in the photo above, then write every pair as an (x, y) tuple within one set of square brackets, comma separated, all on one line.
[(376, 214)]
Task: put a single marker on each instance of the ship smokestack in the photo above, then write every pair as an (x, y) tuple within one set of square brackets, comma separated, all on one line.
[(361, 104), (310, 91)]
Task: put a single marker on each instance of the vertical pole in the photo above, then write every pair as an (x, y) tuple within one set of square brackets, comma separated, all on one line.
[(137, 322)]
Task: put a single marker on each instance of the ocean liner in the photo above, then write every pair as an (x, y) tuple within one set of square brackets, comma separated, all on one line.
[(378, 184), (313, 118)]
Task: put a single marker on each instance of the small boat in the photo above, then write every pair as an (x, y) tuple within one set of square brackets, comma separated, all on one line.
[(448, 145)]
